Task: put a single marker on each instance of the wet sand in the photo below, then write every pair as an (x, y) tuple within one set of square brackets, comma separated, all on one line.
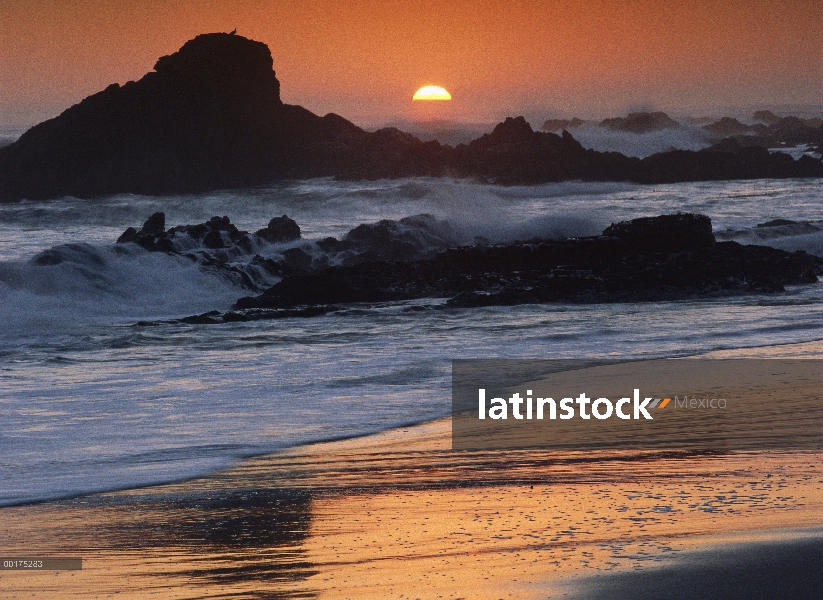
[(757, 570), (401, 515)]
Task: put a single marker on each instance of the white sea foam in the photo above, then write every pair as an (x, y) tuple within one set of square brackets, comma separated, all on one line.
[(602, 139), (92, 401), (96, 285)]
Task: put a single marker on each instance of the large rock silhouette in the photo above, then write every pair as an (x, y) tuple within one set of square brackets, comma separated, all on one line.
[(210, 116)]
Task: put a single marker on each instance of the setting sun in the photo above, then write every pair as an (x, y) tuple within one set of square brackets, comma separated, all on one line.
[(431, 92)]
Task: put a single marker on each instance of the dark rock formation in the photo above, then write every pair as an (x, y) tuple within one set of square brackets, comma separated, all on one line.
[(555, 125), (728, 159), (216, 233), (661, 258), (777, 223), (727, 126), (210, 116), (410, 238), (791, 131), (668, 233), (205, 118), (218, 245), (152, 236), (782, 132), (280, 229), (514, 154), (641, 122), (766, 116)]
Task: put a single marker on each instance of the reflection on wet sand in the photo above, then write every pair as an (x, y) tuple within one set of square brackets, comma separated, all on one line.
[(399, 514)]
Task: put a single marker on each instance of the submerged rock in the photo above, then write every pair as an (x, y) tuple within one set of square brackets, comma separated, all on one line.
[(214, 244), (777, 223), (659, 258), (410, 238)]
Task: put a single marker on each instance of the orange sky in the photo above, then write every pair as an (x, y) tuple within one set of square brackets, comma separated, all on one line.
[(365, 58)]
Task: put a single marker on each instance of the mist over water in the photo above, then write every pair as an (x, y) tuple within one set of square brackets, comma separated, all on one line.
[(92, 400), (686, 137)]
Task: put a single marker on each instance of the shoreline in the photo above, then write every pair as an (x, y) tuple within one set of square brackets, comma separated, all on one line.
[(802, 349), (398, 511)]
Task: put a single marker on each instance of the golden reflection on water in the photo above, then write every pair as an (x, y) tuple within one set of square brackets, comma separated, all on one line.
[(398, 514)]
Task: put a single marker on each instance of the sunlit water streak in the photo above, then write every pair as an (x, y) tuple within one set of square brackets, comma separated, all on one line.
[(92, 401)]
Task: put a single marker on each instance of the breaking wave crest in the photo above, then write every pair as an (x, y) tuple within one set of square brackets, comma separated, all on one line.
[(780, 233), (74, 285)]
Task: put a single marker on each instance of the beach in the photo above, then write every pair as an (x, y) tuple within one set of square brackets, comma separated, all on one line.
[(399, 514), (421, 300), (311, 457)]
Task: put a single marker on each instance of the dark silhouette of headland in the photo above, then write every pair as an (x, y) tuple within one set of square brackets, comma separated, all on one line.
[(210, 117)]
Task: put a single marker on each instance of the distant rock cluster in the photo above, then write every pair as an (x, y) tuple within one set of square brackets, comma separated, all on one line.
[(768, 131), (210, 117)]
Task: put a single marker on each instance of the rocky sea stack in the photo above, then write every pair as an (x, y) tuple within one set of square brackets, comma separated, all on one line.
[(210, 117)]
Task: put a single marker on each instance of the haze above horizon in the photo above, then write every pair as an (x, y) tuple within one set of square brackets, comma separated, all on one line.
[(364, 59)]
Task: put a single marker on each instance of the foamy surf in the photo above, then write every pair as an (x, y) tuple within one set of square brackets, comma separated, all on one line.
[(93, 401)]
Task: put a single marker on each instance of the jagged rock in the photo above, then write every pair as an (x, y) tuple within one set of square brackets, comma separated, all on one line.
[(155, 224), (129, 235), (515, 154), (659, 258), (153, 229), (791, 131), (208, 233), (218, 244), (208, 116), (280, 229), (213, 240)]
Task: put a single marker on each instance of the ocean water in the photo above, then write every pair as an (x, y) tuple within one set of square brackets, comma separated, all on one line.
[(92, 399)]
